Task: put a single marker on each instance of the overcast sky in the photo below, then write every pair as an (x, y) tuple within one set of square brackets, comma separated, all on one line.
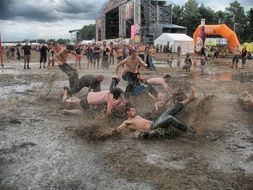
[(33, 19)]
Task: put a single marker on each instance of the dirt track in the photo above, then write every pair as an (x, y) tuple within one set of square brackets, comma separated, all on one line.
[(37, 152)]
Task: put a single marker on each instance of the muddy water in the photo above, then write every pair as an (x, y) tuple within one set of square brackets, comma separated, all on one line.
[(37, 152)]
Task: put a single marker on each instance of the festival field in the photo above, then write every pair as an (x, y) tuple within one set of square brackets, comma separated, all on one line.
[(42, 148)]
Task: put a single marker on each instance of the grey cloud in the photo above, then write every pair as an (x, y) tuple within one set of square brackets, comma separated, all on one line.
[(50, 11), (84, 9)]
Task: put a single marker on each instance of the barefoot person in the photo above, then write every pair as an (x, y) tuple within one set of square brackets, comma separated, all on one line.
[(90, 81), (61, 57), (111, 99), (132, 64), (135, 122)]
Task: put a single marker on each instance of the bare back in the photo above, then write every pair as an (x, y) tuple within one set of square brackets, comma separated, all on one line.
[(97, 98)]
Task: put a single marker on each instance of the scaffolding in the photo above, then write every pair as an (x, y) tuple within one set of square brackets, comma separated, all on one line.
[(147, 16)]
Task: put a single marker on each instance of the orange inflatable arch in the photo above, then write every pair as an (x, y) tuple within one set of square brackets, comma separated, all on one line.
[(222, 30)]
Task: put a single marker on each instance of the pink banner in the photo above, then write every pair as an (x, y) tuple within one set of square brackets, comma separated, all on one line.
[(132, 31)]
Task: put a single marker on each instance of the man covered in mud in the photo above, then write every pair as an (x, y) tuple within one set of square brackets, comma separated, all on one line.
[(135, 122), (132, 63), (61, 58), (159, 81), (90, 81), (112, 99)]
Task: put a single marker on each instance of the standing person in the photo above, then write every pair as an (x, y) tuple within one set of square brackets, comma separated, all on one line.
[(119, 53), (235, 59), (61, 58), (105, 54), (27, 55), (89, 52), (152, 53), (147, 56), (179, 51), (243, 57), (43, 55), (141, 50), (18, 53), (96, 53), (78, 58), (111, 53), (130, 74), (124, 52)]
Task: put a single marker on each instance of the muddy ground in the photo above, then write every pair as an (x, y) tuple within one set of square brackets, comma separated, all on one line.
[(38, 149)]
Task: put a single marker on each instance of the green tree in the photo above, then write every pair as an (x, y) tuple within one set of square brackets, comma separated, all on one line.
[(62, 41), (249, 26), (88, 32), (191, 16), (220, 17), (177, 15), (207, 13), (236, 19)]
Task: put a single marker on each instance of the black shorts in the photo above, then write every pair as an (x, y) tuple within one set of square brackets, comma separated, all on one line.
[(84, 102)]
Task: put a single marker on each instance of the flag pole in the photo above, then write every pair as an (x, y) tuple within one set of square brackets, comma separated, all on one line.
[(1, 53)]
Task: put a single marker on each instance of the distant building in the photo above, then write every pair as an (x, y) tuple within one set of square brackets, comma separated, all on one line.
[(126, 18)]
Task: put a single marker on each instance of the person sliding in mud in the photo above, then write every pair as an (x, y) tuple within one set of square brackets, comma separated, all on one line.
[(113, 100), (163, 81), (61, 58), (90, 81), (135, 122), (132, 63)]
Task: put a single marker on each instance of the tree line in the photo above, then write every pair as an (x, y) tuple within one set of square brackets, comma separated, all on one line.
[(190, 14)]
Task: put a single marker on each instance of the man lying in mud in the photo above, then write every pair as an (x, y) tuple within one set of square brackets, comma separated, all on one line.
[(61, 58), (132, 63), (135, 122), (112, 99)]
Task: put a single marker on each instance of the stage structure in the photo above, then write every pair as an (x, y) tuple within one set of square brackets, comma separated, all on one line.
[(128, 18)]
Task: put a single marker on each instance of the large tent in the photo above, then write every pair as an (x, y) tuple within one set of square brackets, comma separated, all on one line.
[(174, 40)]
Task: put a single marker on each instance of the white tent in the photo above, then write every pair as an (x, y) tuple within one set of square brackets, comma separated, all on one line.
[(175, 39), (87, 42)]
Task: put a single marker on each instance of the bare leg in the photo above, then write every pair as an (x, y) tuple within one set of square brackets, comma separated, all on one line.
[(65, 96), (190, 98), (73, 100), (73, 112)]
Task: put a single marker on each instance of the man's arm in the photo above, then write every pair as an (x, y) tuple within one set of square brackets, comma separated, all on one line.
[(167, 88), (142, 63), (122, 63), (56, 56), (113, 132)]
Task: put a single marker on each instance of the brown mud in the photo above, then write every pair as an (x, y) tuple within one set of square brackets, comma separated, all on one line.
[(41, 148)]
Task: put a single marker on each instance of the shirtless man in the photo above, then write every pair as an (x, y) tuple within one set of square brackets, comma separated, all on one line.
[(130, 74), (138, 123), (112, 99), (90, 81), (61, 58), (163, 81)]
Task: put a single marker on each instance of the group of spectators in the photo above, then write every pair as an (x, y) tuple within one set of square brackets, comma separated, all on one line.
[(99, 55)]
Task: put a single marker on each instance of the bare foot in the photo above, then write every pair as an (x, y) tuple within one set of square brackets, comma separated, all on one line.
[(65, 111)]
